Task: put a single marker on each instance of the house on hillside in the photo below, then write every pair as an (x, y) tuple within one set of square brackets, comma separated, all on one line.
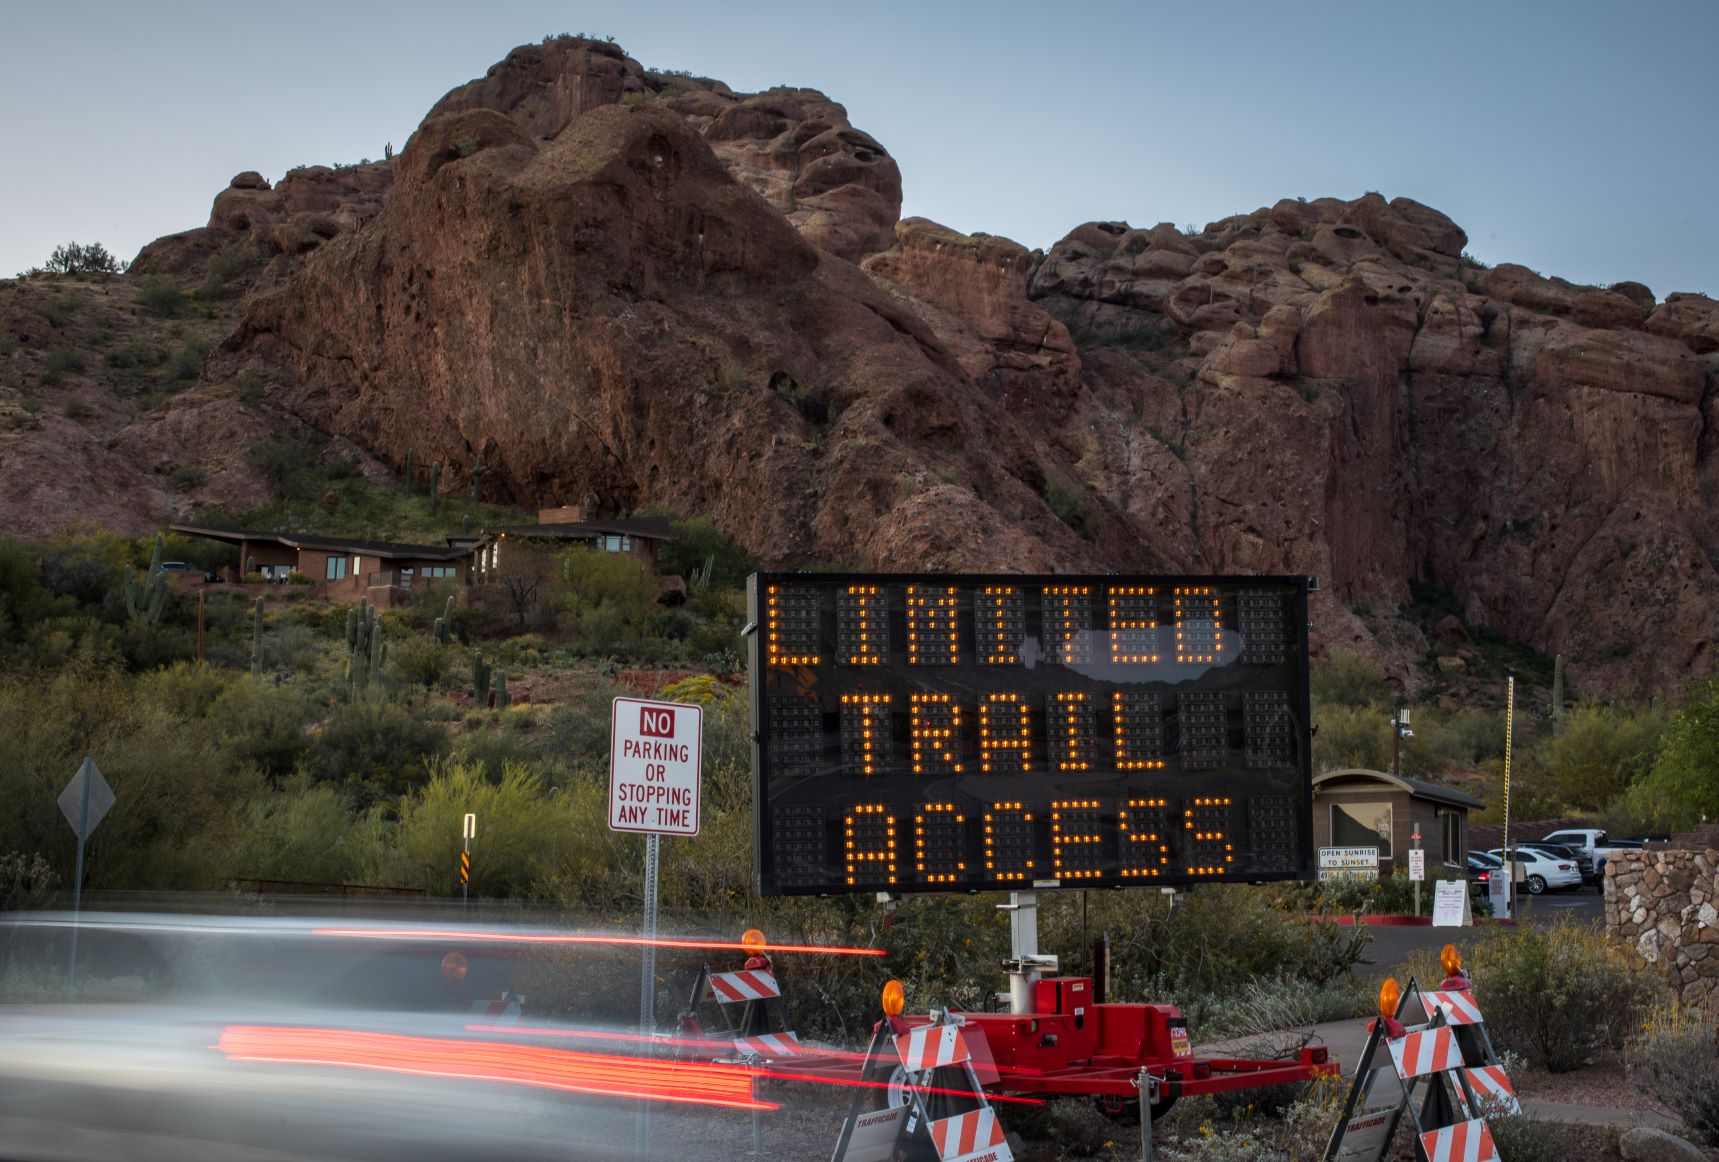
[(640, 536), (342, 568)]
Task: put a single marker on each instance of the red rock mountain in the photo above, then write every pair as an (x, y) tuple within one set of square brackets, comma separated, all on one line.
[(642, 288)]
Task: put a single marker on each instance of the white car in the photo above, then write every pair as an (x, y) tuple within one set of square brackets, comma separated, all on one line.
[(1542, 871)]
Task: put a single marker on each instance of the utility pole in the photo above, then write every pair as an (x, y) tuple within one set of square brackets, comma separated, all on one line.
[(1399, 723)]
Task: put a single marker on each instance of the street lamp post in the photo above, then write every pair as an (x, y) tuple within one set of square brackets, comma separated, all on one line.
[(1399, 731)]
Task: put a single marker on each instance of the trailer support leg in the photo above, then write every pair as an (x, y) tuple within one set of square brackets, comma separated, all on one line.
[(1148, 1096)]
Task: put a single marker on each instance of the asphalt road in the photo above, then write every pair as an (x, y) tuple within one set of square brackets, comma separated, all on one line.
[(1392, 945)]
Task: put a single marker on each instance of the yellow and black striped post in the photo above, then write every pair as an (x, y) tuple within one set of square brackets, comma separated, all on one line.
[(468, 832)]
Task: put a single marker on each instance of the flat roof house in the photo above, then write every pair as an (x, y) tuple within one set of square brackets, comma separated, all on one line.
[(342, 568)]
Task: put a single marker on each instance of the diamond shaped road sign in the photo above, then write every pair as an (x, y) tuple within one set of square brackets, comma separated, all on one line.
[(84, 813)]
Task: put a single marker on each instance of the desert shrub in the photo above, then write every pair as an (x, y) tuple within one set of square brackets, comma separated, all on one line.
[(496, 746), (1674, 1058), (136, 354), (262, 724), (419, 660), (61, 362), (372, 741), (187, 362), (520, 832), (700, 548), (76, 258), (1352, 736), (1348, 679), (299, 833), (1559, 994), (26, 882), (157, 294), (1683, 786)]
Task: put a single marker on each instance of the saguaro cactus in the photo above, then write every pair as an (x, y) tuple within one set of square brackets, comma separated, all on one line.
[(501, 698), (481, 672), (257, 639), (409, 479), (435, 483), (477, 480), (148, 598)]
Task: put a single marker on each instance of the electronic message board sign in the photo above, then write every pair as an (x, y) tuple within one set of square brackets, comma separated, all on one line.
[(958, 732)]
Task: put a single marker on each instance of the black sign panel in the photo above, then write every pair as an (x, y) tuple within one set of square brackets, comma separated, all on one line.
[(956, 732)]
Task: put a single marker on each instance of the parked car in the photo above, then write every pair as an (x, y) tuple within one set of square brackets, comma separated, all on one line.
[(1561, 851), (1542, 871), (1480, 871), (176, 566), (1589, 841)]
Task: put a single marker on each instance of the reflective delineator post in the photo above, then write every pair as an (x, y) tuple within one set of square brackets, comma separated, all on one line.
[(1509, 854)]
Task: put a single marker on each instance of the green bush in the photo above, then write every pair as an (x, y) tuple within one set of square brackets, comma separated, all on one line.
[(1674, 1059), (372, 741), (1348, 679), (158, 295), (26, 882), (136, 354), (187, 362), (1559, 994), (700, 548), (419, 660)]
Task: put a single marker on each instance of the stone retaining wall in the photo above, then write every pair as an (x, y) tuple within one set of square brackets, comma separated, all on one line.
[(1667, 904)]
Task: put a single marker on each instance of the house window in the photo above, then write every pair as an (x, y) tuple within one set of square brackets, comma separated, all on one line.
[(334, 569), (613, 544), (436, 571), (1362, 825)]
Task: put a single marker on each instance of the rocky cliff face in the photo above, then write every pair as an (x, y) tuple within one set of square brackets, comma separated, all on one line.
[(642, 288)]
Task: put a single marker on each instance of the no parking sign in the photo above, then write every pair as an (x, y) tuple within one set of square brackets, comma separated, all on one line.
[(654, 764)]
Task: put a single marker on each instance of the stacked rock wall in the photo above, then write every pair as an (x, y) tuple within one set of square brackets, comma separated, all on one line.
[(1667, 904)]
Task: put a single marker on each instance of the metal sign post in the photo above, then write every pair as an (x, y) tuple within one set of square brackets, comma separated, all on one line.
[(655, 762), (468, 832), (85, 802), (1417, 866), (1509, 895)]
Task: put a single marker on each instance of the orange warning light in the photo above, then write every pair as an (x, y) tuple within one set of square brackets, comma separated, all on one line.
[(894, 998), (1390, 995), (454, 967), (752, 940), (1451, 960)]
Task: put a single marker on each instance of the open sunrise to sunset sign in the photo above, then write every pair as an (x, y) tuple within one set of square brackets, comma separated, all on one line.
[(957, 732)]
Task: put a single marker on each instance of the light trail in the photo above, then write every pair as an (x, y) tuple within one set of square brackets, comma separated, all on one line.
[(579, 939), (604, 1075)]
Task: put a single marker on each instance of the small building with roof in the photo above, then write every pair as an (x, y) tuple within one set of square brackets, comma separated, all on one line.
[(1363, 808), (342, 568)]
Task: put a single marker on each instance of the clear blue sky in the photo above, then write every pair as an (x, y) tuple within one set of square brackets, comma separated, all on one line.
[(1577, 138)]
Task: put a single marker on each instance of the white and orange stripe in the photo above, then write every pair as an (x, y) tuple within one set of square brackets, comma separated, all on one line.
[(1433, 1051), (769, 1044), (495, 1012), (1492, 1089), (1459, 1007), (729, 987), (965, 1134), (1468, 1141), (931, 1047)]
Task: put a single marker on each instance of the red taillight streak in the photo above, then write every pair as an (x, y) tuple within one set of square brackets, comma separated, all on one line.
[(614, 941), (855, 1083), (779, 1075), (670, 1043), (601, 1074)]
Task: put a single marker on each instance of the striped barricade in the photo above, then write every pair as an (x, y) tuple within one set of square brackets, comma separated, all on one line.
[(1468, 1141), (726, 988), (769, 1044), (1432, 1051), (974, 1136), (931, 1047), (1459, 1007), (1492, 1089), (494, 1012)]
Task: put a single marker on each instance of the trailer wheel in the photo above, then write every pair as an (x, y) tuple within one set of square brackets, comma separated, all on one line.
[(897, 1091), (1127, 1109)]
